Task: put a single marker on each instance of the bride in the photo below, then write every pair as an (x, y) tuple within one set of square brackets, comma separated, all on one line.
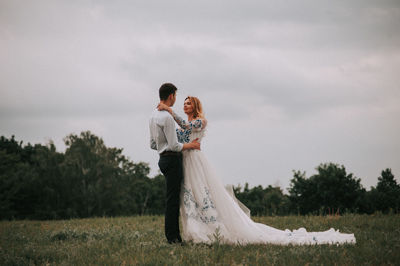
[(211, 212)]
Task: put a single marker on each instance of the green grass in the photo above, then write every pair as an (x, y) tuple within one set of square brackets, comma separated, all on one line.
[(140, 240)]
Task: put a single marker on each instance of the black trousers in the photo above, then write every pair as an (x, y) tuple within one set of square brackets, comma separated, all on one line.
[(171, 167)]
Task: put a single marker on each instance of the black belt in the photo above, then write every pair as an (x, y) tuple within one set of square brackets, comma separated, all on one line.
[(174, 153)]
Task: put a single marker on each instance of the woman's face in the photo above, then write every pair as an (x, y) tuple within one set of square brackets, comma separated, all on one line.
[(187, 107)]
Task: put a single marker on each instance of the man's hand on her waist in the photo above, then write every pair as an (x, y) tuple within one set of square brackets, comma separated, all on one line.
[(196, 144)]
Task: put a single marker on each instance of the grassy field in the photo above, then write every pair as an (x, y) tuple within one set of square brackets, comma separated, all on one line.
[(140, 240)]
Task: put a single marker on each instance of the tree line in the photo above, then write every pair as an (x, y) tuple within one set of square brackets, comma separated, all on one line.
[(90, 179)]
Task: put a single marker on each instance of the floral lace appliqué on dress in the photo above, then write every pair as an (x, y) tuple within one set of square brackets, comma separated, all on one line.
[(204, 212), (187, 127)]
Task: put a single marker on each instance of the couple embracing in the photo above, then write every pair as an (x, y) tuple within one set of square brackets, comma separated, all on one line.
[(194, 191)]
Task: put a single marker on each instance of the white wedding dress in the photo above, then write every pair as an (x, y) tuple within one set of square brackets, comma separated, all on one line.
[(210, 212)]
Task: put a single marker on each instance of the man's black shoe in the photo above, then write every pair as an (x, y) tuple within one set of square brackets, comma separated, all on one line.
[(175, 241)]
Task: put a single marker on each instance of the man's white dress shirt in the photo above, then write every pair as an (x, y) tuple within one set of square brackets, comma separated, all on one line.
[(163, 132)]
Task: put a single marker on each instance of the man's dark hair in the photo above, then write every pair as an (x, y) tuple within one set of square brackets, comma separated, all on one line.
[(166, 90)]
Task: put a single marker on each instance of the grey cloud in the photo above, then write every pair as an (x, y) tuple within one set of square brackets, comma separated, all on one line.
[(313, 25)]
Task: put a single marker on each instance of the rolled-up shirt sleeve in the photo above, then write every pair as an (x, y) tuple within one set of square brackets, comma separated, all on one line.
[(170, 134), (153, 144)]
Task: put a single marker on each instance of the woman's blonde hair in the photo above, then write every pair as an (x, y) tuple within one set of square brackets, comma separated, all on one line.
[(197, 107)]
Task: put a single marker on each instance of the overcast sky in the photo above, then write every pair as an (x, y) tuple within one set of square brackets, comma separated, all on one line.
[(286, 85)]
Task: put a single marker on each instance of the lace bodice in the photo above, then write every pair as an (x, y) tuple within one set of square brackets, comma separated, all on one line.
[(189, 130)]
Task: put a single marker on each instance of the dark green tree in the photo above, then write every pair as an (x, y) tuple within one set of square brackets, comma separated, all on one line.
[(330, 190), (156, 202), (28, 185), (97, 176), (263, 201), (89, 179), (386, 196)]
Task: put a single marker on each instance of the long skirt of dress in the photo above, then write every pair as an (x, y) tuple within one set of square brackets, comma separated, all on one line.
[(210, 213)]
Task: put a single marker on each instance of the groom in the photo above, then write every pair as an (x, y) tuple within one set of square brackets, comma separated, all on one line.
[(163, 139)]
